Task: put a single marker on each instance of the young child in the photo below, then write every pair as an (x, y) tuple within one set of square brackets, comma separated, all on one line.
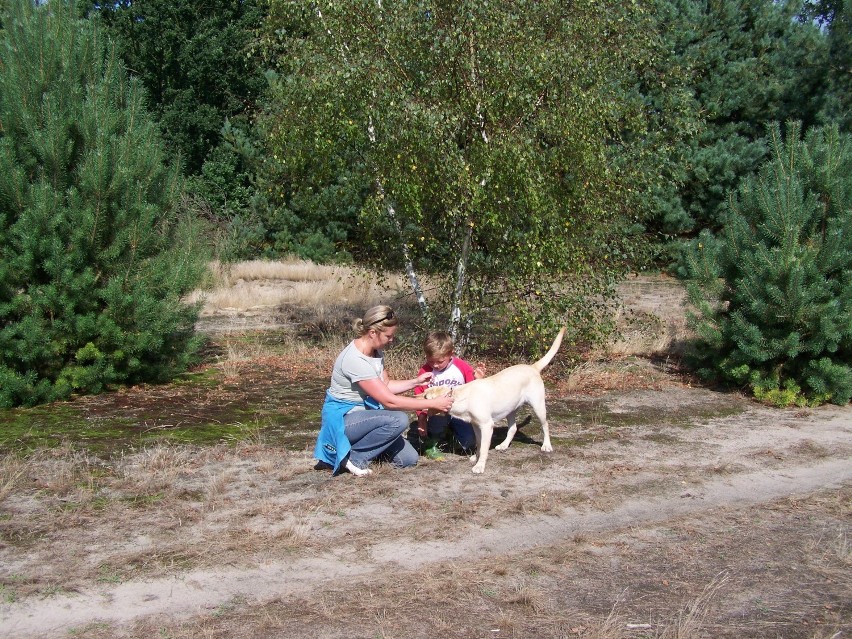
[(447, 370)]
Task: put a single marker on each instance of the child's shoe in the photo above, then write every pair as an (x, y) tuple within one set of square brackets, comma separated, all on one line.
[(432, 451)]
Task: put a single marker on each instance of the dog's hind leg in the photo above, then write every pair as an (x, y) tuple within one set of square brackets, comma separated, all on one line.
[(540, 411), (510, 434), (483, 441), (477, 443)]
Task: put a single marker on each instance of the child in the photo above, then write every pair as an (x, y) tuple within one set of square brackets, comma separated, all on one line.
[(447, 370)]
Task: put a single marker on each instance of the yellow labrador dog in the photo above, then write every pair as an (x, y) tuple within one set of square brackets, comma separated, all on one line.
[(485, 401)]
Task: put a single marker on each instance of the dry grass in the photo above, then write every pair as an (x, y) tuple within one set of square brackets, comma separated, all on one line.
[(689, 621), (164, 510), (62, 471), (147, 513), (12, 471), (652, 320), (259, 284), (318, 299), (617, 373), (238, 352), (292, 268), (454, 601), (154, 469)]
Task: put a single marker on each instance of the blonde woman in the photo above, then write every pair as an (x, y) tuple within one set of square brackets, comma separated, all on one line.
[(364, 415)]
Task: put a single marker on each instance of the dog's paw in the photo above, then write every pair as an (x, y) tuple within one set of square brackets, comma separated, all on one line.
[(502, 446), (546, 448), (478, 469)]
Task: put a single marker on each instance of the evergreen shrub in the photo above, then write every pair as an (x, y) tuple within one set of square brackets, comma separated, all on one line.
[(774, 289), (95, 254)]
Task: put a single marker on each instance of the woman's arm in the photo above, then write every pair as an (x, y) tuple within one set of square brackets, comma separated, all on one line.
[(423, 379), (397, 386), (381, 392)]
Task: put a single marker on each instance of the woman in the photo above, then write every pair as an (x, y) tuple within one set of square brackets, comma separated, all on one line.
[(364, 416)]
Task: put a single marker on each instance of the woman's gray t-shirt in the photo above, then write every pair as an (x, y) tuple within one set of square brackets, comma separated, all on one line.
[(351, 367)]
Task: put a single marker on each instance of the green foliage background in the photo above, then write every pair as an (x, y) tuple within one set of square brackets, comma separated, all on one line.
[(775, 288), (500, 138), (95, 255), (194, 62), (516, 158), (750, 63)]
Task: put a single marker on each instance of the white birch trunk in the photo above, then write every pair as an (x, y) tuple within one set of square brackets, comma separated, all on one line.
[(461, 270), (406, 255), (461, 273)]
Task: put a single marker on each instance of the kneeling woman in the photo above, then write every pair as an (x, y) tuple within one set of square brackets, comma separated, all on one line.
[(364, 416)]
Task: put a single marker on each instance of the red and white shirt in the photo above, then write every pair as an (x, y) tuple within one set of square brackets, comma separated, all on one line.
[(456, 373)]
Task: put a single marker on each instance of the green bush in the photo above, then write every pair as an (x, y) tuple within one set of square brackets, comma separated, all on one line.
[(774, 290), (95, 256)]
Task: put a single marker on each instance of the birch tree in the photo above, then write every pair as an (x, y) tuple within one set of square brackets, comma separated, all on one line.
[(489, 145)]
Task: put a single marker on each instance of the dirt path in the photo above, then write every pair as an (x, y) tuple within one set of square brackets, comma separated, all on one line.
[(616, 473), (665, 511)]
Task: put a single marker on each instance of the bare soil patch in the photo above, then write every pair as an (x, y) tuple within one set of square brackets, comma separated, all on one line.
[(666, 510)]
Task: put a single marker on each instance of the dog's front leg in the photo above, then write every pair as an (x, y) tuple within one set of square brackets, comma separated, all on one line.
[(484, 433)]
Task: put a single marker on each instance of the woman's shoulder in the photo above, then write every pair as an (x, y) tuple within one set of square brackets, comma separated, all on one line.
[(351, 350), (355, 365)]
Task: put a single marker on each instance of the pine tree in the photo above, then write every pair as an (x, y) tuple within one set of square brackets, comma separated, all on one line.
[(95, 256), (775, 289), (752, 64), (193, 63), (837, 106)]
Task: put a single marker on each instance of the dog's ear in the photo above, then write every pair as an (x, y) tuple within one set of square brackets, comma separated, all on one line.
[(435, 391)]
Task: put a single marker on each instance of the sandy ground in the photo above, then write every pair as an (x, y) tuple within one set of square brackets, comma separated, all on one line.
[(665, 510)]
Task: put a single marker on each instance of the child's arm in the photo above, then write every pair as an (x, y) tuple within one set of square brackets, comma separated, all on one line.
[(468, 371)]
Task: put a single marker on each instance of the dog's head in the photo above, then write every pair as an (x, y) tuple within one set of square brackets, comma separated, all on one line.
[(432, 393)]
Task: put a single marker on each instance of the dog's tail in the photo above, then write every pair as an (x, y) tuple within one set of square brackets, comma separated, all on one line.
[(544, 361)]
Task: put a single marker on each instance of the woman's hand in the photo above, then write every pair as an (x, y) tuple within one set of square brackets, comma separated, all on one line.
[(422, 378), (442, 404)]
